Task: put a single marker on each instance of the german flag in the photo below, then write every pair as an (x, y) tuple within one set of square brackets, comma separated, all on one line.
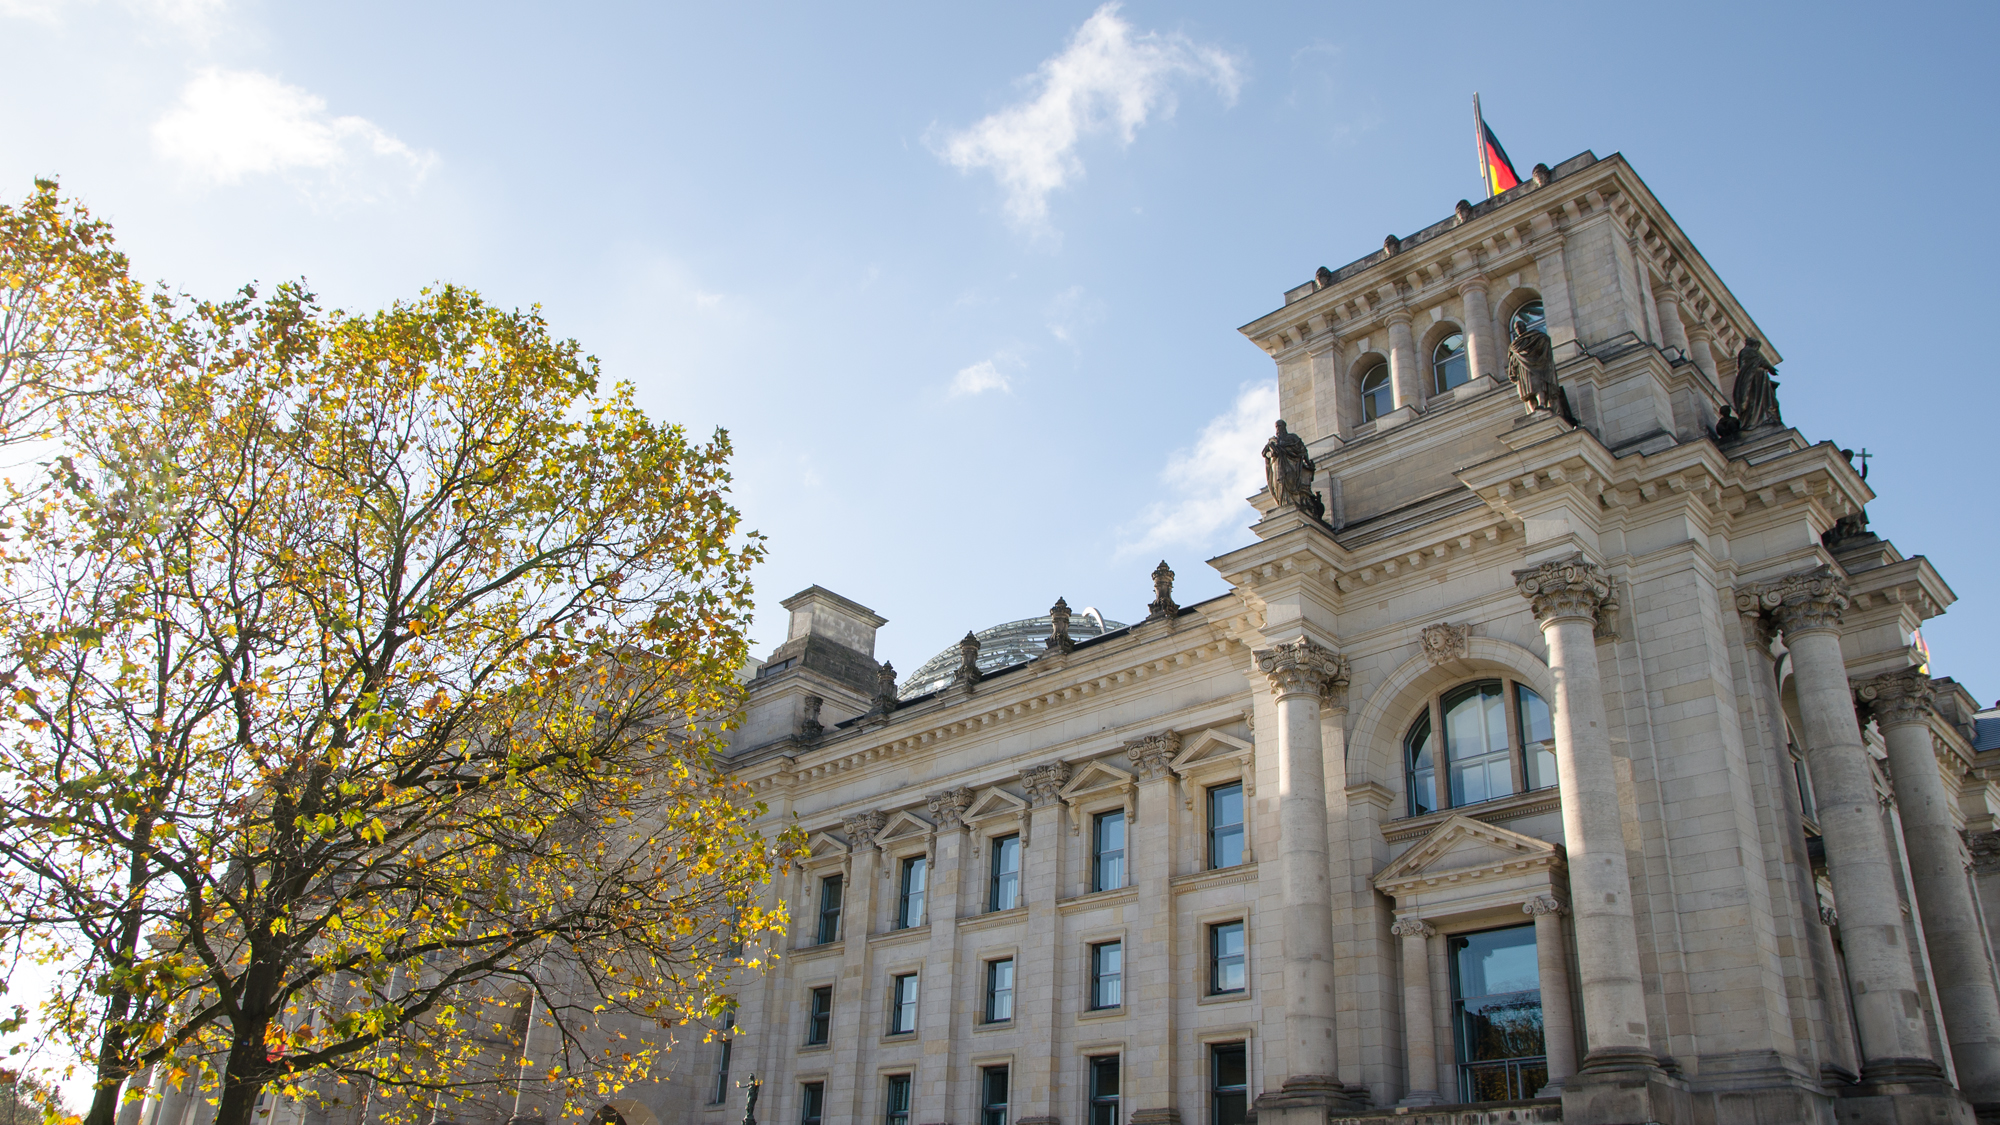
[(1494, 167)]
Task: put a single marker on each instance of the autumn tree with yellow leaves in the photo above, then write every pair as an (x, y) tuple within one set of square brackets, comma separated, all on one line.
[(365, 678)]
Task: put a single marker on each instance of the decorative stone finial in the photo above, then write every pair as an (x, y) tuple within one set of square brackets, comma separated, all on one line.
[(1800, 603), (1301, 666), (1445, 643), (1152, 756), (1898, 697), (885, 689), (809, 727), (1044, 783), (1412, 927), (1571, 587), (1541, 175), (1164, 606), (1059, 642), (1322, 278), (1288, 471), (1543, 904), (861, 829), (948, 808), (1391, 244), (1463, 211), (968, 661)]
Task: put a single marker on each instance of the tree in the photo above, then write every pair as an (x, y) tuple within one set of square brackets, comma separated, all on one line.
[(28, 1100), (367, 678)]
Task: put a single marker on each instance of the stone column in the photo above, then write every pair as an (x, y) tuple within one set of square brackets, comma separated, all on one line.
[(938, 998), (1404, 374), (1701, 349), (1558, 1024), (1149, 961), (857, 1005), (1552, 275), (1902, 703), (1888, 1014), (1301, 674), (1667, 304), (1420, 1064), (1482, 356), (1037, 968), (1621, 1079)]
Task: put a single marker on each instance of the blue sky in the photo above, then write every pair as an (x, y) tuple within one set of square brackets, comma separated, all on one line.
[(964, 282)]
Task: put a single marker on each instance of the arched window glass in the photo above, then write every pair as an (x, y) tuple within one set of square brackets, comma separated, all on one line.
[(1449, 367), (1529, 315), (1377, 397), (1478, 742), (1423, 769)]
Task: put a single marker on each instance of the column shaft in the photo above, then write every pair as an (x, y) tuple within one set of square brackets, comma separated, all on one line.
[(1668, 305), (1558, 1025), (1481, 355), (937, 1017), (1419, 1029), (1150, 973), (1404, 374), (1037, 973)]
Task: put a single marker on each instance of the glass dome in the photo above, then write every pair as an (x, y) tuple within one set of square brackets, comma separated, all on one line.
[(1003, 646)]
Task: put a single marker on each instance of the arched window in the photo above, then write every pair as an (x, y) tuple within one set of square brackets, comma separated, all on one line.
[(1497, 740), (1449, 367), (1377, 397), (1529, 315)]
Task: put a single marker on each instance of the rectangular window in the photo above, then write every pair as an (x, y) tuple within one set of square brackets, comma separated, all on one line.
[(896, 1102), (719, 1092), (1225, 825), (1107, 859), (1107, 975), (903, 1004), (1104, 1090), (1538, 738), (1005, 893), (813, 1102), (829, 909), (1228, 1083), (1496, 1007), (1225, 958), (910, 906), (993, 1096), (819, 1017), (1000, 990)]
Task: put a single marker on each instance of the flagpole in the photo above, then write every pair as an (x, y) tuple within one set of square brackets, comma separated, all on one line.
[(1479, 141)]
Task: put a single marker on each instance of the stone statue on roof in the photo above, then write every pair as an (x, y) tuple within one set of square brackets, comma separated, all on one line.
[(1756, 393), (1531, 367), (1288, 470)]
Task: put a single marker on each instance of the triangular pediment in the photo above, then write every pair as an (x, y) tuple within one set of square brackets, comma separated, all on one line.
[(900, 824), (824, 843), (1210, 745), (1094, 775), (994, 801), (1464, 846)]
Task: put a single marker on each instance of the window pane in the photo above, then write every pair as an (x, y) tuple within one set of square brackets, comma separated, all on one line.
[(1497, 1012), (1107, 975), (819, 1018), (1538, 738), (1527, 316), (1006, 889), (1449, 367), (1000, 990), (897, 1103), (993, 1096), (1422, 770), (903, 1017), (910, 911), (1226, 969), (829, 909), (1108, 861), (1104, 1090), (1377, 395), (815, 1104), (1229, 1082), (1475, 724), (1225, 825)]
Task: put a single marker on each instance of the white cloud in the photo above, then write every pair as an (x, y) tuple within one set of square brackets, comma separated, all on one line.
[(978, 379), (1211, 480), (1107, 80), (194, 16), (233, 123)]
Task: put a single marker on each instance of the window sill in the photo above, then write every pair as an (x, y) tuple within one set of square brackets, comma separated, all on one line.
[(1214, 876), (821, 949), (1094, 899), (815, 1048), (907, 933), (1102, 1013), (895, 1037), (993, 1025), (1224, 997), (1514, 806), (994, 918)]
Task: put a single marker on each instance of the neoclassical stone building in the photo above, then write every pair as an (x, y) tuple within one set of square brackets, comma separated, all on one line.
[(1578, 759)]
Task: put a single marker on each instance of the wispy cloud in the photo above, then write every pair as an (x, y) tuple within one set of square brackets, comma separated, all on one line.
[(978, 379), (235, 123), (194, 16), (1211, 480), (1107, 80)]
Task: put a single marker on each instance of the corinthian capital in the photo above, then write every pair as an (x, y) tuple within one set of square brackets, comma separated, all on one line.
[(1571, 587), (1543, 904), (1301, 666), (861, 829), (1045, 782), (1899, 697), (1412, 927), (948, 808), (1800, 602), (1152, 756)]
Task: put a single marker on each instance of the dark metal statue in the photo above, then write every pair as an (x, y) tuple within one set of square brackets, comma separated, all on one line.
[(1289, 472), (1756, 393), (1163, 589), (1531, 366), (750, 1104)]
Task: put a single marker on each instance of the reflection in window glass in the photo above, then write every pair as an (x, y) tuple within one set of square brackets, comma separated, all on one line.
[(1423, 768), (1107, 861), (1475, 725), (1528, 316), (1104, 1090), (1538, 738), (1449, 367), (1496, 993), (1107, 975), (1225, 958), (1005, 892), (1377, 396), (910, 905), (1229, 1083), (829, 909), (896, 1106), (1225, 825), (815, 1104), (993, 1096), (1000, 990)]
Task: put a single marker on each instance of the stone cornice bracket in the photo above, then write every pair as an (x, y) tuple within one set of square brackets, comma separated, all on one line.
[(1444, 643), (1303, 667), (1544, 904), (1800, 603), (861, 828), (948, 808), (1044, 783), (1898, 697), (1412, 927), (1152, 757), (1571, 587)]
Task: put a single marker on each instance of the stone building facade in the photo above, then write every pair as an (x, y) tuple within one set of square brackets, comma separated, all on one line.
[(1580, 759)]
